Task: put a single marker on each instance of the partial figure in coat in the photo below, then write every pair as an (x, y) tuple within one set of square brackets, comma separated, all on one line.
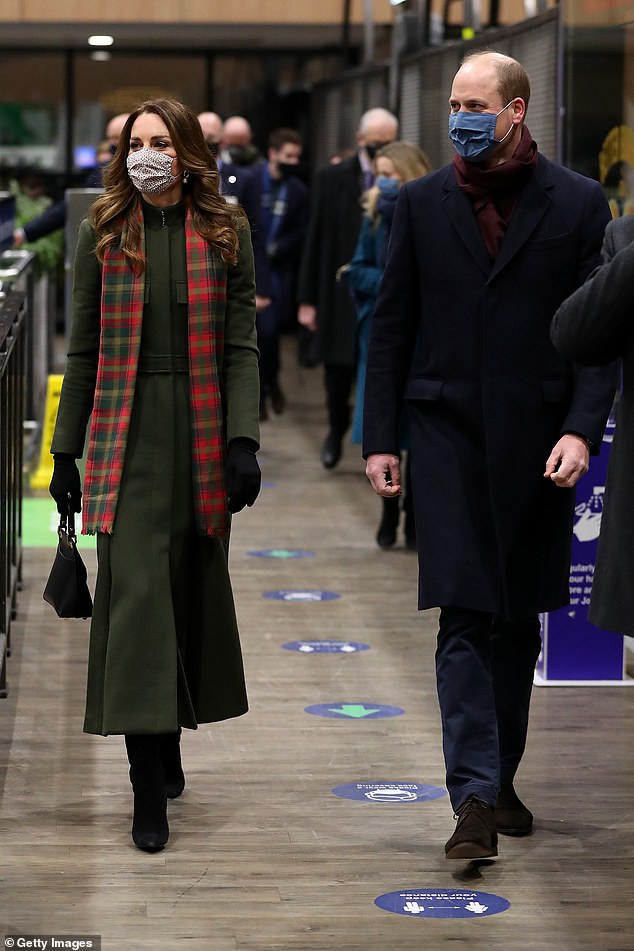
[(594, 327), (395, 164), (163, 359), (284, 219), (481, 254), (325, 306)]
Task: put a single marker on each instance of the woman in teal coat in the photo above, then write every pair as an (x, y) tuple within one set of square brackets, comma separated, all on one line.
[(163, 359), (395, 164)]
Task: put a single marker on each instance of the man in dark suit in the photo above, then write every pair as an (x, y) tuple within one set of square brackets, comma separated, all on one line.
[(240, 185), (285, 219), (325, 303), (482, 252), (594, 327)]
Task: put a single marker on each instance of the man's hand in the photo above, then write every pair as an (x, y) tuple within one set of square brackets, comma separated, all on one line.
[(307, 316), (384, 472), (568, 461), (261, 302)]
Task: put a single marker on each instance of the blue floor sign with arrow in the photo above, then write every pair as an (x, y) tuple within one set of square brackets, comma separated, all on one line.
[(353, 711)]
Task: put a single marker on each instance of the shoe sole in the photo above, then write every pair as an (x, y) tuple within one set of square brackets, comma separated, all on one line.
[(515, 832), (470, 850)]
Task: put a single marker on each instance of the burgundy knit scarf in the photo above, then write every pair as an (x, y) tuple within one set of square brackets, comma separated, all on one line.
[(494, 191)]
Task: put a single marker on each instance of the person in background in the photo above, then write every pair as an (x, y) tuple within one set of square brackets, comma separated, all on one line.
[(593, 327), (241, 185), (481, 254), (163, 360), (211, 124), (325, 305), (28, 189), (114, 129), (103, 154), (285, 219), (236, 144), (394, 165), (54, 218)]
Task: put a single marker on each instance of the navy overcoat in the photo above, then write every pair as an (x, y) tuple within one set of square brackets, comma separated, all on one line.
[(466, 342), (335, 219)]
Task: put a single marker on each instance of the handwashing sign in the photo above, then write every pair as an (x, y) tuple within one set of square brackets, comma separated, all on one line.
[(573, 650)]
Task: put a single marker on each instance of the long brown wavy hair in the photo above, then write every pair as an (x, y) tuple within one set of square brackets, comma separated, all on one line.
[(213, 219)]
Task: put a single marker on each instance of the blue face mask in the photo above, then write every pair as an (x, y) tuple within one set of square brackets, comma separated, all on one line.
[(388, 187), (473, 133)]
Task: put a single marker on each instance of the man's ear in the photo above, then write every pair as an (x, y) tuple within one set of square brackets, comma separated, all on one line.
[(519, 109)]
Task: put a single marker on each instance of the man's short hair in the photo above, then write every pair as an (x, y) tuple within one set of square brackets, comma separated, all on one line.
[(280, 137), (513, 80)]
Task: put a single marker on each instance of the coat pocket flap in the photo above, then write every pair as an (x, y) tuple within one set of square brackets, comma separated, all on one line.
[(422, 389), (181, 292), (554, 390)]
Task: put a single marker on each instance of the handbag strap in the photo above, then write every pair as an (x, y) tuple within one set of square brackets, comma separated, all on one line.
[(67, 522)]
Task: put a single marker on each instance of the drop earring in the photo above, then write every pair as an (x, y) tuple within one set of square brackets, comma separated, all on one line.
[(185, 176)]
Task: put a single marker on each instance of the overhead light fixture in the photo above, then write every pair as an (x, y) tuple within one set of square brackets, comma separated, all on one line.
[(100, 40), (100, 56), (397, 3)]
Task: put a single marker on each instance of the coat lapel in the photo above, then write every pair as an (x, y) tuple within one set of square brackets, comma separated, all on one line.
[(532, 204), (460, 212)]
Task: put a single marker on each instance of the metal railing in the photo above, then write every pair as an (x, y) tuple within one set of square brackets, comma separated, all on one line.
[(13, 347)]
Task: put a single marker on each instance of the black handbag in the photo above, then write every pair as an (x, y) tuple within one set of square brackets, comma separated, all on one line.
[(66, 589)]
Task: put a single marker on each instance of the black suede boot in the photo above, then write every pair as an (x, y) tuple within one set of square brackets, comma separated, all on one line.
[(150, 830), (172, 766), (386, 535)]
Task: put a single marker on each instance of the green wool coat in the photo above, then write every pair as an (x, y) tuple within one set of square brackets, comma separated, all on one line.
[(164, 645)]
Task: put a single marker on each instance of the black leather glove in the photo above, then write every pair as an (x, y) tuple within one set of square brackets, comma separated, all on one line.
[(242, 473), (65, 483)]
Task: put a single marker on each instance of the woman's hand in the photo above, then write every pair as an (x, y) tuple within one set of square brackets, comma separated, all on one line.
[(65, 484), (243, 474)]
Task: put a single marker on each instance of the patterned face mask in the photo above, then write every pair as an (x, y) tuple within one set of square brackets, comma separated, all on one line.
[(151, 171)]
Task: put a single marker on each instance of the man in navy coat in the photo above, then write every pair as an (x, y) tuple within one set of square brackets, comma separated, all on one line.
[(284, 220), (325, 304), (482, 252)]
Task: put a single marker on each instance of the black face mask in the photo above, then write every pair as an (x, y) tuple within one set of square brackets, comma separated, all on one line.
[(213, 148), (243, 154), (287, 169), (373, 147)]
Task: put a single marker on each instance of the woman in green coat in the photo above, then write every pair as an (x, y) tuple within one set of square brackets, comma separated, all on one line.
[(163, 361)]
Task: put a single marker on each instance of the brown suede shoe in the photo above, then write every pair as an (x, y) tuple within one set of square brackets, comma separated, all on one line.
[(511, 815), (475, 836)]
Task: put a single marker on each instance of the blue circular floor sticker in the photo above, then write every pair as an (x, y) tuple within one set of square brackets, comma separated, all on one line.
[(392, 792), (301, 597), (281, 553), (353, 711), (326, 647), (442, 903)]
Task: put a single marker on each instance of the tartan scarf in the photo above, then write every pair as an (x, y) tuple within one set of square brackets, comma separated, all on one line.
[(122, 297)]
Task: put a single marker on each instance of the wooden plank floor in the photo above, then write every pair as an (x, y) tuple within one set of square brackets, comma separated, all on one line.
[(262, 856)]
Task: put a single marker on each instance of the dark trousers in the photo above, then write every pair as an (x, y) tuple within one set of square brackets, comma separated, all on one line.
[(338, 382), (484, 673), (267, 324)]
